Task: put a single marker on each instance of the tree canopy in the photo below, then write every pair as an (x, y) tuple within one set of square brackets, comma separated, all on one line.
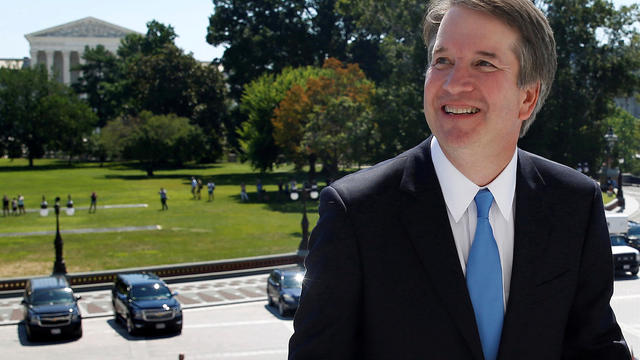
[(153, 139), (39, 114), (329, 118), (150, 73)]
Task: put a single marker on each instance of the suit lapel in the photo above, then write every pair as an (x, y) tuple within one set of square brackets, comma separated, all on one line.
[(531, 232), (425, 218)]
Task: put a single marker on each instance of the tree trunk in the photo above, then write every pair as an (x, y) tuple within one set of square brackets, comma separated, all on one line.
[(30, 161), (312, 166)]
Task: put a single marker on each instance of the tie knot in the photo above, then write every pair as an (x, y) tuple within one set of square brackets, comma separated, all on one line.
[(483, 200)]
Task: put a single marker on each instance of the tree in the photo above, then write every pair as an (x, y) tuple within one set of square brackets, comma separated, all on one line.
[(328, 118), (38, 114), (152, 139), (100, 73), (73, 125), (261, 36), (211, 111), (592, 70), (150, 73), (627, 128), (388, 45), (259, 100)]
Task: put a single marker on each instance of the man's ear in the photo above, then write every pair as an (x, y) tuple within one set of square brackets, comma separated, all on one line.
[(528, 100)]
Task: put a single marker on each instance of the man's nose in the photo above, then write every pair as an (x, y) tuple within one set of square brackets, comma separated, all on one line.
[(458, 80)]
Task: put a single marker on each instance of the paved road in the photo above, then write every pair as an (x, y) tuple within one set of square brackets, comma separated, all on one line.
[(191, 295), (250, 331)]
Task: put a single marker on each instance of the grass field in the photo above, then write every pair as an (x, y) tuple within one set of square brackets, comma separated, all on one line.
[(192, 230)]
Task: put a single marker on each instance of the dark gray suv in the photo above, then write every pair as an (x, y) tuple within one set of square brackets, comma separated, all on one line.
[(283, 289), (144, 302), (50, 308)]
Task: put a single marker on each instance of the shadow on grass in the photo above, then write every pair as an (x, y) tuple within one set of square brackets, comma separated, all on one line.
[(275, 201), (60, 164), (249, 179), (51, 165)]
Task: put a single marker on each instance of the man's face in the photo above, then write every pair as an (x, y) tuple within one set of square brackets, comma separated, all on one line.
[(471, 99)]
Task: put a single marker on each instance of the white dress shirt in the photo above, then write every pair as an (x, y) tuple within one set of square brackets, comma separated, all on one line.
[(459, 193)]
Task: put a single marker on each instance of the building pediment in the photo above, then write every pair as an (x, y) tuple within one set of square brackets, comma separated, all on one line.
[(88, 27)]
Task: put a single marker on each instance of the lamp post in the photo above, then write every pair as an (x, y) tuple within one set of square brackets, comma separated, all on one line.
[(58, 267), (610, 137), (304, 193)]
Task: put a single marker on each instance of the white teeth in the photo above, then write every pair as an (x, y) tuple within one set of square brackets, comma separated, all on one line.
[(460, 110)]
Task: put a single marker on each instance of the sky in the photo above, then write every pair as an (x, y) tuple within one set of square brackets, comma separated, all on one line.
[(189, 19)]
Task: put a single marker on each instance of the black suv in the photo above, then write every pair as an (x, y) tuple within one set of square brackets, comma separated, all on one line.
[(50, 308), (143, 302), (284, 287)]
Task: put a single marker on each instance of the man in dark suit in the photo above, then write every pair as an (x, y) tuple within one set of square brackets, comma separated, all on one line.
[(465, 247)]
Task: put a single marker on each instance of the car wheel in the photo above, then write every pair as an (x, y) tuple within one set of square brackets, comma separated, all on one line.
[(30, 336), (635, 272), (131, 329), (271, 303), (78, 333), (179, 329), (281, 309)]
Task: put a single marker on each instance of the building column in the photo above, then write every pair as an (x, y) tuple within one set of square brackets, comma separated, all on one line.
[(34, 58), (66, 72), (49, 64)]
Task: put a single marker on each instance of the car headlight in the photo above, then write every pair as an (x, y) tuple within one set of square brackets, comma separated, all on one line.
[(177, 310), (288, 298), (638, 257), (137, 314), (34, 319)]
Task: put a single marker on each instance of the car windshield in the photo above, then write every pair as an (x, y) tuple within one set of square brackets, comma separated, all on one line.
[(292, 280), (150, 292), (618, 241), (51, 297), (634, 230)]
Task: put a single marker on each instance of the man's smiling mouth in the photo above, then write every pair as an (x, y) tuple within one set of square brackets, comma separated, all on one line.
[(460, 110)]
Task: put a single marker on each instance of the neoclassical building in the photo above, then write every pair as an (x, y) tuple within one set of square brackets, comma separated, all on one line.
[(60, 48)]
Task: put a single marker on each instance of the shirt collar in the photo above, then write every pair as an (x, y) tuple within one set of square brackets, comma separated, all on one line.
[(459, 191)]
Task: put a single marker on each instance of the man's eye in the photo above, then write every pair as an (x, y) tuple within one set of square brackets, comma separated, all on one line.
[(484, 63), (441, 61)]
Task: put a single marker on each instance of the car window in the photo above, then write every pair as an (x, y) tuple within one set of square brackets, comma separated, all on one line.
[(52, 297), (150, 292), (618, 241), (293, 280), (635, 231)]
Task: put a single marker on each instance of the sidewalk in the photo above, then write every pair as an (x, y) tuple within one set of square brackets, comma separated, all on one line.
[(631, 207), (191, 295), (85, 231), (116, 206)]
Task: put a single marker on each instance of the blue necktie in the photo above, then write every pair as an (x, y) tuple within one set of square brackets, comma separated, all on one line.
[(484, 279)]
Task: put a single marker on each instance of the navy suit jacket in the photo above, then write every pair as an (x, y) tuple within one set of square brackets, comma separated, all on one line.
[(384, 280)]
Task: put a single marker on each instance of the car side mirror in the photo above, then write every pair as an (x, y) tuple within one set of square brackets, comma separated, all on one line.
[(23, 302), (175, 293), (78, 297)]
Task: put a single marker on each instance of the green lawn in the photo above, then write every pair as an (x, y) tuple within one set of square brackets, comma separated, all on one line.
[(192, 230)]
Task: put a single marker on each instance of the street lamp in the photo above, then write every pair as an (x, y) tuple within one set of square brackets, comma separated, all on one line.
[(610, 137), (304, 193), (58, 267)]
